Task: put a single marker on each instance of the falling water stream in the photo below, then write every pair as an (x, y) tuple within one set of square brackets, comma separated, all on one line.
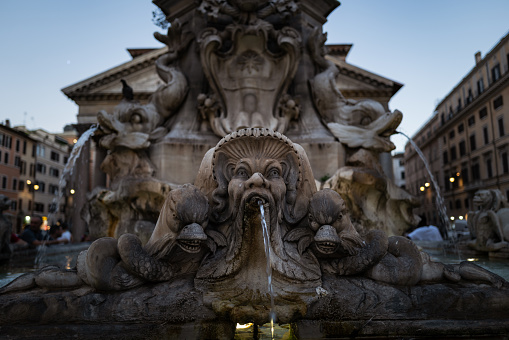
[(442, 210), (67, 173), (266, 242)]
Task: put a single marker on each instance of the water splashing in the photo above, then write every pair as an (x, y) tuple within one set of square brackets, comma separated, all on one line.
[(266, 242), (439, 201), (66, 173)]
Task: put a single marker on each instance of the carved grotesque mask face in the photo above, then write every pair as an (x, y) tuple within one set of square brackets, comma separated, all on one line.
[(257, 181)]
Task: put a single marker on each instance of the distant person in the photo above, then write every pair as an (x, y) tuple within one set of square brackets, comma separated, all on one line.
[(55, 232), (66, 234), (33, 234)]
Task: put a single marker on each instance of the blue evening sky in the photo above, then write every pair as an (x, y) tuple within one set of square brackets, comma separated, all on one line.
[(428, 46)]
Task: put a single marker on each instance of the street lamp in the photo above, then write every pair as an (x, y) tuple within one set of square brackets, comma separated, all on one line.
[(422, 188), (426, 184), (451, 179), (72, 191), (36, 187)]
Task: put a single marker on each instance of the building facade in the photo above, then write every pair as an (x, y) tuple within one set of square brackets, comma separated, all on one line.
[(31, 166), (17, 172), (398, 168), (466, 141)]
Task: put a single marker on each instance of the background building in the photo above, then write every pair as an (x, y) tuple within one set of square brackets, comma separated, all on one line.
[(398, 168), (466, 141), (31, 165)]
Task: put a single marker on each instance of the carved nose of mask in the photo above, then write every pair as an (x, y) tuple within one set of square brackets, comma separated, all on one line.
[(327, 233), (256, 181)]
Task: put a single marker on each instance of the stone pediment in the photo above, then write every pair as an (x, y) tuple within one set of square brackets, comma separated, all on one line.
[(139, 73), (355, 82)]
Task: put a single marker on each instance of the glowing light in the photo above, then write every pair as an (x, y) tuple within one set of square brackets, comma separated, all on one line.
[(36, 187), (457, 174), (451, 179), (29, 182), (452, 218), (461, 217), (426, 185), (421, 188), (72, 191), (244, 326), (472, 259), (75, 141)]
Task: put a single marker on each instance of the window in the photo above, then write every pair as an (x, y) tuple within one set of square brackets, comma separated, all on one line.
[(451, 134), (402, 175), (53, 189), (32, 170), (446, 158), (476, 174), (471, 120), (17, 145), (498, 102), (42, 186), (0, 156), (20, 204), (24, 147), (483, 113), (41, 151), (464, 175), (4, 182), (41, 168), (453, 153), (485, 135), (21, 185), (6, 158), (495, 73), (7, 141), (489, 168), (458, 108), (463, 148), (14, 184), (473, 146), (54, 172), (444, 139), (458, 204), (55, 156), (450, 205), (65, 159), (505, 164), (470, 97), (39, 207), (14, 205), (480, 86), (467, 205), (461, 128), (501, 131), (17, 161)]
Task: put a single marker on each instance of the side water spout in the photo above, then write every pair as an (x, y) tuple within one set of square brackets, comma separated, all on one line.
[(266, 242), (439, 201), (66, 173)]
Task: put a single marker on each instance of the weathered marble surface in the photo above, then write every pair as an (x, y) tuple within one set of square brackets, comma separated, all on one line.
[(354, 306)]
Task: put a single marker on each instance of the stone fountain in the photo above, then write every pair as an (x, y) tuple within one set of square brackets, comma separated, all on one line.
[(256, 237)]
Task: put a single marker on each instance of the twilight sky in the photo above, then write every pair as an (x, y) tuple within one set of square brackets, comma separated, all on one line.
[(428, 46)]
